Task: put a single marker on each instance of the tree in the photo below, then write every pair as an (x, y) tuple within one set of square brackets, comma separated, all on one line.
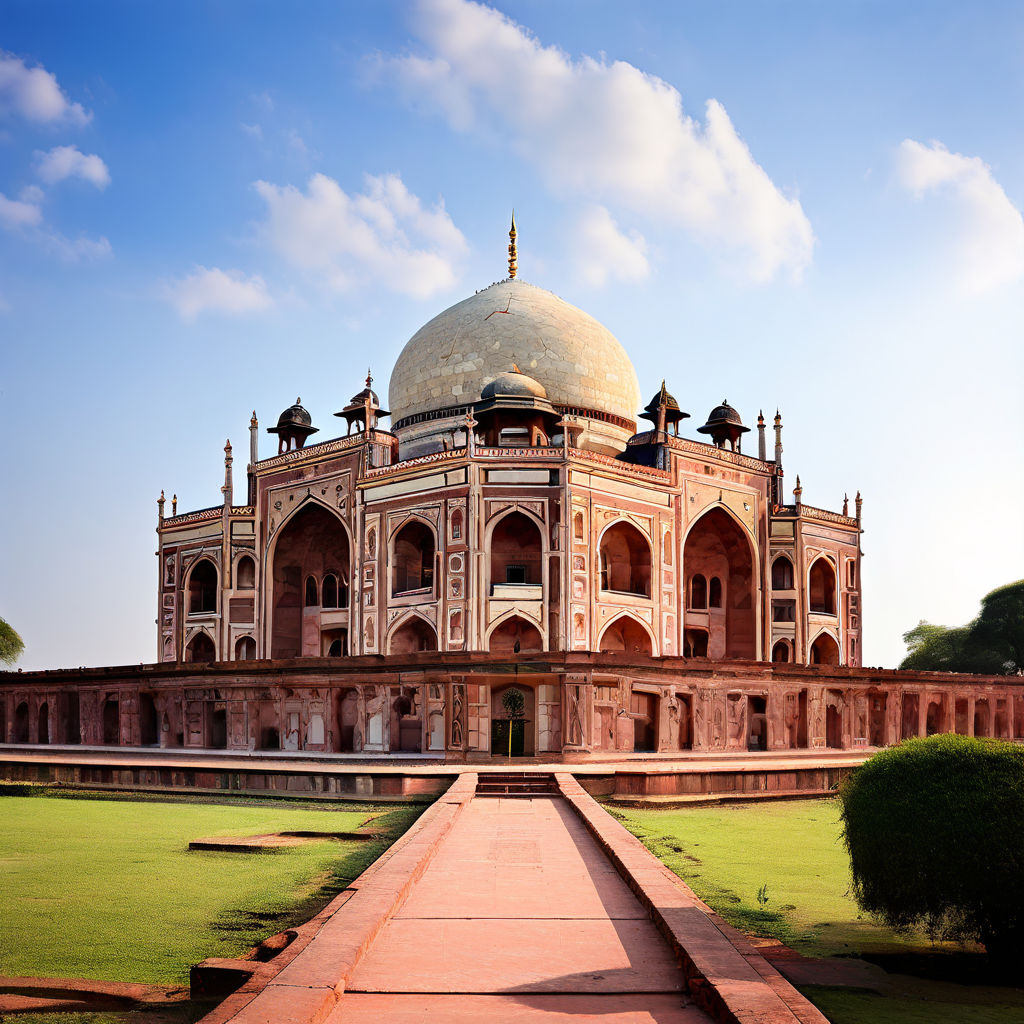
[(514, 703), (11, 645), (935, 831), (992, 644)]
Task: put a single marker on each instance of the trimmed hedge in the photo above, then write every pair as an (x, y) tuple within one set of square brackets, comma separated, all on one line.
[(935, 830)]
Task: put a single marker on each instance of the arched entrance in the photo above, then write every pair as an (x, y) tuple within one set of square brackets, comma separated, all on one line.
[(717, 548), (625, 634), (413, 635), (312, 545), (625, 560), (522, 728), (781, 651), (149, 735), (516, 549), (515, 630), (824, 651), (643, 709), (21, 723), (200, 648), (111, 723)]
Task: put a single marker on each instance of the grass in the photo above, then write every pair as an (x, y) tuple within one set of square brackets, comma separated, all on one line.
[(726, 853), (107, 889)]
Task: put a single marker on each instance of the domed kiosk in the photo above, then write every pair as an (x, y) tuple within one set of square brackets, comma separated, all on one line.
[(446, 364)]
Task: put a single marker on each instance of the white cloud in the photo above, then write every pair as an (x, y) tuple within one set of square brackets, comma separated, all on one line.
[(17, 214), (76, 249), (33, 93), (32, 194), (69, 162), (210, 289), (253, 130), (606, 132), (602, 251), (990, 252), (383, 236)]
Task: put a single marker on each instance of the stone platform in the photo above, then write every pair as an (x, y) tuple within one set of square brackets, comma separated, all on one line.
[(636, 778)]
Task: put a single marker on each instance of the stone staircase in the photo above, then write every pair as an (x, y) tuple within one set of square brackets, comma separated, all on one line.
[(516, 784)]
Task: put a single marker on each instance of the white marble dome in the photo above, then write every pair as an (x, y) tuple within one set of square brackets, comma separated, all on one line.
[(449, 360)]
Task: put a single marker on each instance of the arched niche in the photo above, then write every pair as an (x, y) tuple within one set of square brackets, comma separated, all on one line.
[(821, 586), (718, 548), (412, 635), (625, 560), (201, 648), (782, 573), (515, 629), (245, 573), (311, 544), (825, 650), (412, 559), (627, 635), (202, 587), (516, 550)]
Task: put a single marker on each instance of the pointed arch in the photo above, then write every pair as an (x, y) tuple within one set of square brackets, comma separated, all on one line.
[(511, 627), (202, 585), (627, 633), (410, 634), (718, 545), (412, 549), (821, 585), (312, 540), (783, 577), (245, 573), (626, 555), (824, 650), (515, 544), (201, 647)]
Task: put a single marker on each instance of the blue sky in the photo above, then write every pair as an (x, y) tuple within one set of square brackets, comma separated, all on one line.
[(210, 208)]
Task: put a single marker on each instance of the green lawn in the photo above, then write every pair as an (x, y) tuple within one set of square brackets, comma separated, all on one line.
[(107, 889), (726, 853)]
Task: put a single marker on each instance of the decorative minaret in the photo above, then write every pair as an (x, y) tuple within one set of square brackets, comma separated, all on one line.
[(254, 440), (160, 507), (846, 504), (778, 440), (858, 504), (761, 450), (226, 490), (798, 492), (174, 504), (512, 265), (471, 425)]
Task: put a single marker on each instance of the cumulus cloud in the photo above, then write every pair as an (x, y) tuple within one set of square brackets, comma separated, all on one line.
[(69, 162), (604, 131), (15, 213), (74, 250), (210, 289), (33, 93), (990, 252), (603, 251), (383, 236)]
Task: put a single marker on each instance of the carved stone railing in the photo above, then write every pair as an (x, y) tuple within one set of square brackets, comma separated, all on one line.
[(682, 444), (627, 468), (824, 516), (314, 451), (205, 515), (451, 455)]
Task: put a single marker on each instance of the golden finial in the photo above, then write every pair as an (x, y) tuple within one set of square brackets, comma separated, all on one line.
[(512, 265)]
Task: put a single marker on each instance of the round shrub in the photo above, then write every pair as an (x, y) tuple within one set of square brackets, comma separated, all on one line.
[(935, 830)]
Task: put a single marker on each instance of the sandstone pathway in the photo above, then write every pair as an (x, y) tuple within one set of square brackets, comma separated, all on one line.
[(520, 918)]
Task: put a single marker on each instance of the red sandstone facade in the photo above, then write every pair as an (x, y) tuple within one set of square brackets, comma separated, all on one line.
[(381, 591)]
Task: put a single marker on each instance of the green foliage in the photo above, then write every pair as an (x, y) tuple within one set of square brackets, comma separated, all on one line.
[(935, 831), (514, 703), (11, 645), (762, 896), (992, 644), (108, 888)]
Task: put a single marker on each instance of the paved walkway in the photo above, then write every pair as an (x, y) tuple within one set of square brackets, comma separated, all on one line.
[(520, 917)]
